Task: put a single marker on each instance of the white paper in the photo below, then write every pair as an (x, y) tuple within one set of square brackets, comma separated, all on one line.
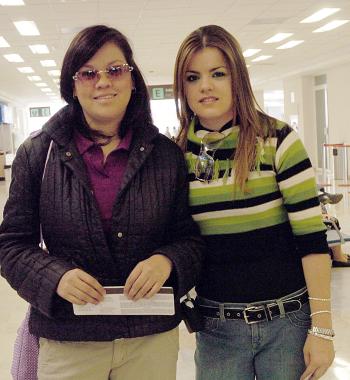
[(115, 303)]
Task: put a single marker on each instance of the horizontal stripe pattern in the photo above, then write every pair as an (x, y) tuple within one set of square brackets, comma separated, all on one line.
[(281, 189)]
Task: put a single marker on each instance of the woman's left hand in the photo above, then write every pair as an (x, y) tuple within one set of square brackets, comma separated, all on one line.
[(148, 277), (318, 356)]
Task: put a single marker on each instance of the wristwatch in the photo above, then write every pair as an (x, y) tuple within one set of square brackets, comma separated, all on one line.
[(322, 331)]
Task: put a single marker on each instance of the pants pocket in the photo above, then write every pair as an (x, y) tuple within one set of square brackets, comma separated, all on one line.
[(300, 318)]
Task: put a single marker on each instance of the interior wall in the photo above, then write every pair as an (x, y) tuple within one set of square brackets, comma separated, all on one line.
[(338, 83)]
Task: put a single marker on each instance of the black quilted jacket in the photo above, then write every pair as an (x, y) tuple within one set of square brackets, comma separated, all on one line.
[(150, 215)]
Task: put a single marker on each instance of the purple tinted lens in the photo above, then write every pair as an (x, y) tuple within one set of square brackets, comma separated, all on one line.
[(116, 71), (88, 75)]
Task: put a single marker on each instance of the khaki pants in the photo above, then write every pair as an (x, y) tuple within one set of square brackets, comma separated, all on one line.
[(152, 357)]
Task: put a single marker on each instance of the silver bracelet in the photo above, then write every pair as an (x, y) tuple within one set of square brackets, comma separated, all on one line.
[(319, 299), (310, 332), (322, 331), (320, 312)]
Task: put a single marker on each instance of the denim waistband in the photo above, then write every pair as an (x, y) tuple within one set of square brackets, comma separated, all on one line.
[(208, 302), (254, 312)]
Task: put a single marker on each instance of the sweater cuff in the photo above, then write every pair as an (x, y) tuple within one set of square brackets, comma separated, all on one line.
[(314, 243)]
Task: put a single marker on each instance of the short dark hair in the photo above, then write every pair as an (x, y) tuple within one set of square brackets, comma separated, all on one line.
[(83, 47)]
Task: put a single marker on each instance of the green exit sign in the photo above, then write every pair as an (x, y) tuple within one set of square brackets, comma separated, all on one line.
[(161, 92), (39, 112), (157, 93)]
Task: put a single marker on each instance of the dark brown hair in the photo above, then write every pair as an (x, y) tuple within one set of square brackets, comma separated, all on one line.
[(83, 47), (253, 121)]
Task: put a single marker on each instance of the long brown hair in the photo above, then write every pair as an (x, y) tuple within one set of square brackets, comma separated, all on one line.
[(253, 121)]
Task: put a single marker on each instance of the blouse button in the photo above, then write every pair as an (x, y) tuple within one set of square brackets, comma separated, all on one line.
[(68, 154), (142, 149), (120, 234)]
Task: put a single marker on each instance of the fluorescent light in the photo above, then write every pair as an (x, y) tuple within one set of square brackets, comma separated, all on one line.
[(320, 15), (290, 44), (25, 70), (11, 2), (249, 52), (54, 73), (3, 42), (261, 58), (46, 89), (41, 84), (48, 63), (56, 80), (278, 38), (34, 78), (27, 28), (331, 25), (39, 49), (13, 57)]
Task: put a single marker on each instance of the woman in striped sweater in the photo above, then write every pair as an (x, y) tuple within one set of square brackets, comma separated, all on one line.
[(265, 287)]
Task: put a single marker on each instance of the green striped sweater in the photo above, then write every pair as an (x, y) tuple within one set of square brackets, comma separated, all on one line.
[(275, 222)]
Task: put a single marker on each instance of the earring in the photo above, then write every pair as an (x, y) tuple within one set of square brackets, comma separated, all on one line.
[(133, 89)]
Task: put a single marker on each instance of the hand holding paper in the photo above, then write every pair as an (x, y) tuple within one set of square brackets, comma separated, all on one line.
[(116, 303), (148, 277)]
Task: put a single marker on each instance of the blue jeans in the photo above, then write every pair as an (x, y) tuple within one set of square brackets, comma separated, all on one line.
[(269, 350)]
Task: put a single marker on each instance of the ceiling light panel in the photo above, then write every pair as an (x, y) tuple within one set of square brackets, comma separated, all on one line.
[(330, 26), (41, 84), (27, 28), (48, 63), (278, 38), (3, 43), (54, 73), (39, 49), (290, 44), (250, 52), (25, 70), (261, 58), (34, 78), (11, 2), (13, 57), (320, 15), (46, 89)]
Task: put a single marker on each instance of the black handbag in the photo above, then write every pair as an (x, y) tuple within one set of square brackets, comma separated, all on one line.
[(192, 317)]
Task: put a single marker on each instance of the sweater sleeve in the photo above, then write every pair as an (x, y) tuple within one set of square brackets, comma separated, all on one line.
[(296, 180), (32, 272)]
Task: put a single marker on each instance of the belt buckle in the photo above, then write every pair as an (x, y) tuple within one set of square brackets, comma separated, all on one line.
[(251, 308)]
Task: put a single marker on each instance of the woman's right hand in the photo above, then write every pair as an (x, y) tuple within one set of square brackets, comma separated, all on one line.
[(78, 287)]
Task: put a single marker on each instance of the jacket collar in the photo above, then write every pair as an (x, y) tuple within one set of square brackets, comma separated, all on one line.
[(61, 127)]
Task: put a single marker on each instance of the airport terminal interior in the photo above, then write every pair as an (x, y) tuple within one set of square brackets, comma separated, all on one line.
[(298, 57)]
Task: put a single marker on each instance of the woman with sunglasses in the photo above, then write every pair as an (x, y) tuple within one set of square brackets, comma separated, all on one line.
[(113, 208), (264, 291)]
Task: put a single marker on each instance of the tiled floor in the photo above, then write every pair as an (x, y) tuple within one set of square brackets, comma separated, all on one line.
[(14, 308)]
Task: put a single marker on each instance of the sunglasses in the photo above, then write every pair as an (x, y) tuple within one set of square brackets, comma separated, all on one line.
[(204, 166), (90, 76)]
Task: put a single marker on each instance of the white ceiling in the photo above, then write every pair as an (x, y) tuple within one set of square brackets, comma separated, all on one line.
[(157, 27)]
